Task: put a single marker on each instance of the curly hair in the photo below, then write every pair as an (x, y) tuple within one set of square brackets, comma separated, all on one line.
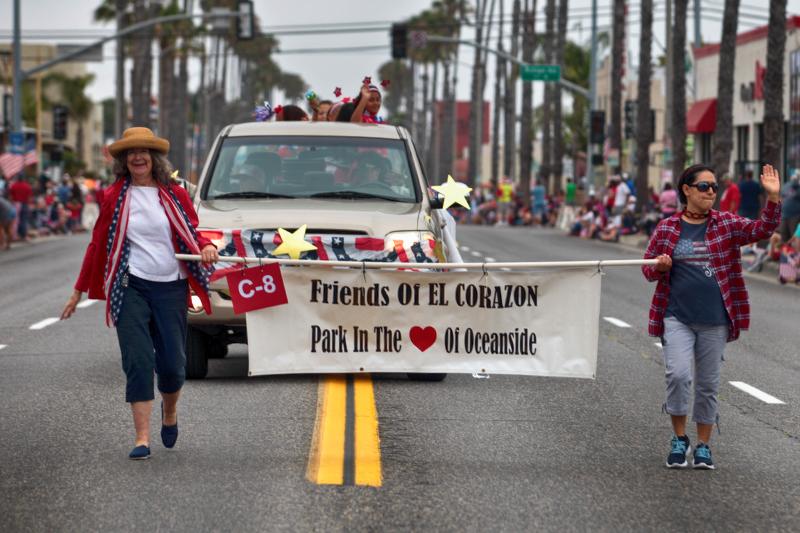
[(162, 168)]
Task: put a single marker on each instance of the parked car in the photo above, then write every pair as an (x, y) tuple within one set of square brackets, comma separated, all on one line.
[(344, 181)]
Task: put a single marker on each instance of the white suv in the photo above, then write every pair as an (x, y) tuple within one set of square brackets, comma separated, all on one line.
[(360, 189)]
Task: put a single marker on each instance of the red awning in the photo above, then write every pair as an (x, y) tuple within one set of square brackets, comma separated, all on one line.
[(702, 116)]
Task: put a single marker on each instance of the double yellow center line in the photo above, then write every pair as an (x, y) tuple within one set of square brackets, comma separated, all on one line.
[(345, 448)]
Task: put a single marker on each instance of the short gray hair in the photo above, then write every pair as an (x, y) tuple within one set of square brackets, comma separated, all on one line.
[(162, 168)]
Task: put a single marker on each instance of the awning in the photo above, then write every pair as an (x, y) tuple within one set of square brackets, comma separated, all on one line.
[(702, 116)]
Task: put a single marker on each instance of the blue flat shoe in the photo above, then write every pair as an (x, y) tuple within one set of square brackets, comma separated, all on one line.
[(139, 453), (169, 434)]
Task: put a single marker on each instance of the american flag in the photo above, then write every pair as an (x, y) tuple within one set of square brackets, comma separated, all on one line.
[(13, 164), (261, 243)]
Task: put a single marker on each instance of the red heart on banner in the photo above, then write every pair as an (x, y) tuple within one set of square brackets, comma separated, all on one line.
[(422, 338)]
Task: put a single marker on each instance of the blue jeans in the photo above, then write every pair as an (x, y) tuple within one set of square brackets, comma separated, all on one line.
[(693, 350), (151, 330)]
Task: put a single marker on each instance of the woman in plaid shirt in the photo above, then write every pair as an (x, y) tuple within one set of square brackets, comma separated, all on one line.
[(700, 301)]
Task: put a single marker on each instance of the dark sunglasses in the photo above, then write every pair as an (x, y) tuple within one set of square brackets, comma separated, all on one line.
[(703, 186)]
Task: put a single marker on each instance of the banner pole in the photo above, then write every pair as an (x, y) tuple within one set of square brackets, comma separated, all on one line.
[(601, 263)]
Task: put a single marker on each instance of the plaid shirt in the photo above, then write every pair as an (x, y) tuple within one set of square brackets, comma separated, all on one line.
[(725, 233)]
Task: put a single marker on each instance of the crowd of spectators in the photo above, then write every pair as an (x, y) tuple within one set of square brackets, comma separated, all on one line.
[(610, 212), (36, 206)]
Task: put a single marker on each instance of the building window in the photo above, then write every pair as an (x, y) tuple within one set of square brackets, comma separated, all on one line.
[(742, 143)]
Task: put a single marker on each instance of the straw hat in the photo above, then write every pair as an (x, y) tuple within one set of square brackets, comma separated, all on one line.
[(138, 138)]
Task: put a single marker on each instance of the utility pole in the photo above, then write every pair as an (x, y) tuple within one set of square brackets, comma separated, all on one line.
[(119, 104), (668, 88), (17, 51), (592, 94)]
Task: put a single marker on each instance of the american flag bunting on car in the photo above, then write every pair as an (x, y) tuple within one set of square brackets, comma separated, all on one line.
[(330, 247)]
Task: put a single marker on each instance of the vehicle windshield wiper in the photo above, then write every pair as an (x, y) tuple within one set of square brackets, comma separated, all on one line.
[(352, 195), (249, 194)]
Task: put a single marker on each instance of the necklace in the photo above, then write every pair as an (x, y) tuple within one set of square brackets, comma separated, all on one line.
[(694, 216)]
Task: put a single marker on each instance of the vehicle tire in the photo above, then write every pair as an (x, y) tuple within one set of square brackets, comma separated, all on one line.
[(217, 349), (426, 377), (196, 354)]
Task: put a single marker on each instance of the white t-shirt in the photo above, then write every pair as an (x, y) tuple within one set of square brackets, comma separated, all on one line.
[(152, 253), (621, 197)]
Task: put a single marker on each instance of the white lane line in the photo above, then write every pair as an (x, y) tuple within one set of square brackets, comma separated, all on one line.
[(3, 346), (465, 248), (658, 344), (44, 323), (616, 321), (86, 303), (475, 254), (490, 259), (761, 395)]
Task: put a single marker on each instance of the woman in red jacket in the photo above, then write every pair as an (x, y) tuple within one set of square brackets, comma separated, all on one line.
[(146, 219)]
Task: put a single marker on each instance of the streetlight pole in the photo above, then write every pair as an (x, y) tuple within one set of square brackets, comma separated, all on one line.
[(17, 51)]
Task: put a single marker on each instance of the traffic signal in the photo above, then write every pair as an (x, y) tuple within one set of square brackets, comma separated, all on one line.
[(399, 41), (60, 115), (597, 132), (630, 119), (245, 24)]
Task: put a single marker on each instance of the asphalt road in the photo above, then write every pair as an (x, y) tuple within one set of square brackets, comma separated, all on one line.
[(501, 454)]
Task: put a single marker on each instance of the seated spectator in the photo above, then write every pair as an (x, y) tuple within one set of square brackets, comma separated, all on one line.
[(7, 215)]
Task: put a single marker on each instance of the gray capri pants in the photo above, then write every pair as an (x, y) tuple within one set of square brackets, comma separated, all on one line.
[(693, 350)]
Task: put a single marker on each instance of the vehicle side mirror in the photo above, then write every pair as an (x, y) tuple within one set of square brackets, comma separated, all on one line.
[(437, 202)]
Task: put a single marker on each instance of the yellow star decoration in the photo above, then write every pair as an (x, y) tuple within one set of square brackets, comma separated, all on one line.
[(454, 192), (293, 244), (174, 175)]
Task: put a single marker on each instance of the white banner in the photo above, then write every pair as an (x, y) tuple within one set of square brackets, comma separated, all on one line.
[(348, 320)]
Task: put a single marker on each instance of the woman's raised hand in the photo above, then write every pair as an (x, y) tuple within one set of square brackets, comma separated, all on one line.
[(771, 182)]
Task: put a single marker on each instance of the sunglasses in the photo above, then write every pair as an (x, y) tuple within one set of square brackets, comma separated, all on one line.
[(704, 186)]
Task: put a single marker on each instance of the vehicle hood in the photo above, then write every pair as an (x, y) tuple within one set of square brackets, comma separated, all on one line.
[(374, 218)]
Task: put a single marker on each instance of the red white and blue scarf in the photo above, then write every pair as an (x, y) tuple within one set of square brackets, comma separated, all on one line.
[(119, 248)]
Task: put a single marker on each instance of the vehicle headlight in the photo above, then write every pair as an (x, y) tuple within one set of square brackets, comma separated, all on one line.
[(414, 242), (216, 237)]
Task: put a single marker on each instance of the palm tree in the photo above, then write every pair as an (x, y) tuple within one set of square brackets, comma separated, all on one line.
[(773, 83), (73, 95), (526, 124), (558, 135), (510, 100), (678, 127), (476, 114), (547, 106), (617, 57), (723, 130), (499, 77), (643, 126)]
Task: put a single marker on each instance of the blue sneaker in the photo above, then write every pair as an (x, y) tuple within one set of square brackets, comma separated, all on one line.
[(702, 457), (680, 449), (139, 453), (169, 434)]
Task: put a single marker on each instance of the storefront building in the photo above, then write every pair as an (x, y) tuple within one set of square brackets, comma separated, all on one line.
[(748, 101)]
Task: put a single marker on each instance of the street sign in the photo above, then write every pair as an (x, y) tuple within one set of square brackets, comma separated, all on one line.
[(17, 141), (550, 73)]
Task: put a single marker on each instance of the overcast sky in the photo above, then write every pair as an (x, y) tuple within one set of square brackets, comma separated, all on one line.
[(324, 71)]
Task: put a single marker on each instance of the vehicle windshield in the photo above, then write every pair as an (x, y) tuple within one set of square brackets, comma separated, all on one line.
[(315, 166)]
